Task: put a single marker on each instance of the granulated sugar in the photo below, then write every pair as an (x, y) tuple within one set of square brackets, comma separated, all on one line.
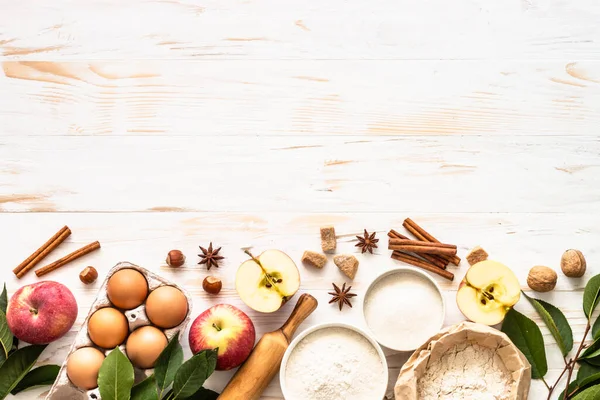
[(466, 372), (334, 364), (403, 309)]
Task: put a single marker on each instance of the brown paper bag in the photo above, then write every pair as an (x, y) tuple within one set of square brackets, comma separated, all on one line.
[(514, 361)]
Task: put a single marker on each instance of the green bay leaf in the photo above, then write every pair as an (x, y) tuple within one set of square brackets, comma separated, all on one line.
[(528, 338), (3, 300), (168, 363), (193, 373), (571, 389), (204, 394), (591, 393), (591, 295), (115, 378), (16, 366), (556, 322), (145, 390), (6, 336), (586, 370), (40, 376), (596, 328), (591, 352)]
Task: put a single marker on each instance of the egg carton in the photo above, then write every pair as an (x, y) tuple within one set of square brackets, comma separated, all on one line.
[(63, 388)]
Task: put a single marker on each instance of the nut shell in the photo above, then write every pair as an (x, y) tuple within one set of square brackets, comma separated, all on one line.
[(542, 279), (573, 263), (175, 258), (212, 285), (88, 275)]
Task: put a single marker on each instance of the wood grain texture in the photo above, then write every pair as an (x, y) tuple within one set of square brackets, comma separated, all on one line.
[(271, 29), (375, 98), (349, 174)]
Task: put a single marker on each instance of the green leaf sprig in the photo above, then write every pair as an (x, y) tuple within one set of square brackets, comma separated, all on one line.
[(527, 336), (172, 379)]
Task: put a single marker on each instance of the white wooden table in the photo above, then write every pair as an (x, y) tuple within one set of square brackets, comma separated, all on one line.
[(158, 124)]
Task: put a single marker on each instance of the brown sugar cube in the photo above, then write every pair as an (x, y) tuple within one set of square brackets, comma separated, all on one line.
[(348, 264), (328, 242), (477, 255), (317, 260)]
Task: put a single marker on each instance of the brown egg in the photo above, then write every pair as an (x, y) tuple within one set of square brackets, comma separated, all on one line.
[(166, 307), (127, 289), (83, 366), (145, 345), (108, 327)]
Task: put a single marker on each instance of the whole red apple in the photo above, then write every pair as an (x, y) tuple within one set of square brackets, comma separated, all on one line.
[(225, 327), (42, 312)]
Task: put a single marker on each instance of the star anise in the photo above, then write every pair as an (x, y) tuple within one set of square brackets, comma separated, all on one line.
[(342, 296), (367, 243), (210, 257)]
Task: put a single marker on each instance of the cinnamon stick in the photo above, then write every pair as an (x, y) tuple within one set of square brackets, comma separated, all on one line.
[(412, 260), (409, 242), (68, 258), (444, 251), (431, 258), (422, 234), (42, 252)]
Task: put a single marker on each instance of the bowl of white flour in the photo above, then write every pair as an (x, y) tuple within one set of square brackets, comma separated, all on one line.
[(403, 307), (333, 362)]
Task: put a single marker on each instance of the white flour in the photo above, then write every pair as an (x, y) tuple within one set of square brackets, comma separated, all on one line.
[(403, 310), (334, 364), (466, 372)]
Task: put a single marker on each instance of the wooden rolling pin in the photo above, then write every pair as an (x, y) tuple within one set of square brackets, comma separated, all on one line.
[(259, 369)]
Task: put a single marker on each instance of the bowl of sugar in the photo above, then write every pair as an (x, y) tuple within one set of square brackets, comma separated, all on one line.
[(333, 361), (403, 307)]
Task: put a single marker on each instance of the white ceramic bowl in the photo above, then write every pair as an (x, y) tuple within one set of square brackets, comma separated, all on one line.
[(282, 369), (426, 335)]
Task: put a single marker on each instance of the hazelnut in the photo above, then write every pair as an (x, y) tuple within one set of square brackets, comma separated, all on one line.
[(212, 285), (175, 258), (573, 263), (542, 279), (88, 275)]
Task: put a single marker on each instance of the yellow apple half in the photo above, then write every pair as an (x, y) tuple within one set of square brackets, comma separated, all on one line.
[(266, 282), (486, 293)]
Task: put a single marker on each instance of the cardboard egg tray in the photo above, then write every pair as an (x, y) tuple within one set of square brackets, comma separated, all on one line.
[(63, 388)]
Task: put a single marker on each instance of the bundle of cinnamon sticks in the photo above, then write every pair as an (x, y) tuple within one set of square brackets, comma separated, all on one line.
[(425, 252), (34, 259)]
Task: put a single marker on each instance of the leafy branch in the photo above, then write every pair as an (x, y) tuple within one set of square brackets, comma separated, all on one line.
[(526, 335), (172, 378)]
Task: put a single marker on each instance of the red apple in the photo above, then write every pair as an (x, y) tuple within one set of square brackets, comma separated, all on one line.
[(227, 328), (42, 312)]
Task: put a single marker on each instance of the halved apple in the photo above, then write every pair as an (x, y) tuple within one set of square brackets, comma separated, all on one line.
[(266, 282), (486, 293)]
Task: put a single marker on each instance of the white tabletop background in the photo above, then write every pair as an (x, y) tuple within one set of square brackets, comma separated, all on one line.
[(158, 124)]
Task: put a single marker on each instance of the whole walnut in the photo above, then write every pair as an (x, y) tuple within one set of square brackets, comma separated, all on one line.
[(573, 263), (542, 279)]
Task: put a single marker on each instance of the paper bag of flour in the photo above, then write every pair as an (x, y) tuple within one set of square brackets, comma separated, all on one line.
[(465, 333)]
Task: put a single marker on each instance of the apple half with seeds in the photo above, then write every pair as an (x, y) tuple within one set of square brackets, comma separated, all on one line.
[(487, 292), (266, 282)]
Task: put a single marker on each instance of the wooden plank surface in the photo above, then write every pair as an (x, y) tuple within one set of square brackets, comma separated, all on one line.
[(271, 29), (314, 98), (331, 173), (159, 124)]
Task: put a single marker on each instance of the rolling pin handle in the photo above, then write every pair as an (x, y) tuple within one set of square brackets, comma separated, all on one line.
[(304, 307)]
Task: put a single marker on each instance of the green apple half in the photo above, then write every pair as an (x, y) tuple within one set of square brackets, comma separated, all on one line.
[(487, 292), (266, 282)]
